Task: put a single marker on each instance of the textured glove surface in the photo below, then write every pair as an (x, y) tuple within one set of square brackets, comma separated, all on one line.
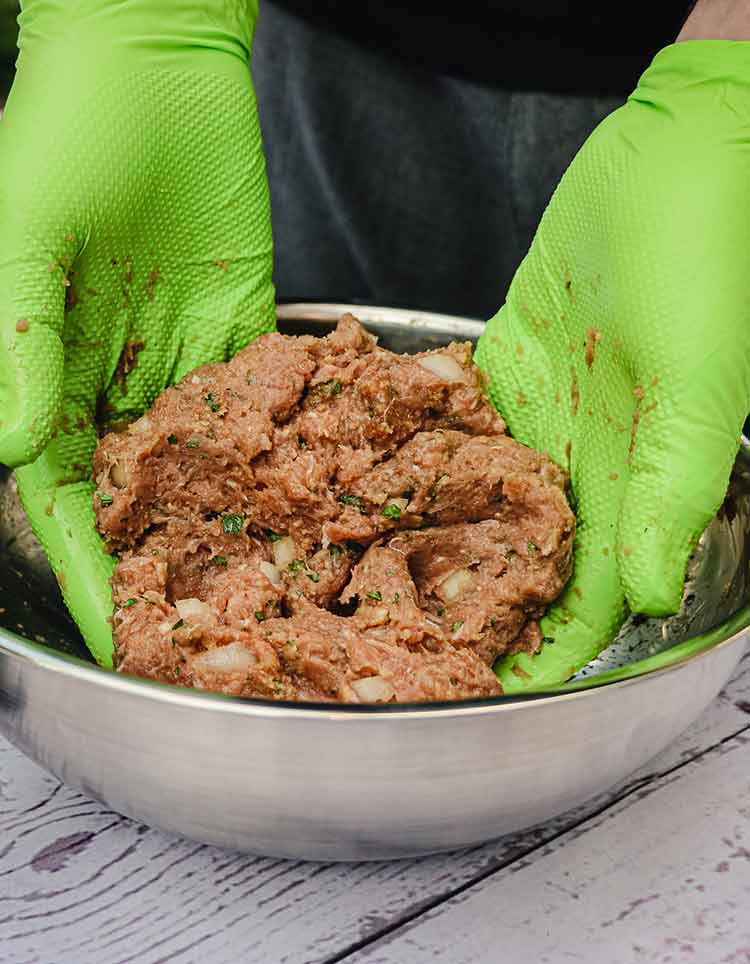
[(135, 243), (623, 347)]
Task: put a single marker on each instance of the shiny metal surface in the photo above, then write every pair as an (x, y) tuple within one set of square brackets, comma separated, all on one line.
[(337, 783)]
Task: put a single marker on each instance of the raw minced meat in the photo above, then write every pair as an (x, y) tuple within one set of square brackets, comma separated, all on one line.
[(321, 519)]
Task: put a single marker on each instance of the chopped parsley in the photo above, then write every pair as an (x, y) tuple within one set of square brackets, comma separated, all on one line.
[(178, 625), (376, 594), (331, 388), (296, 565), (457, 625), (313, 576), (260, 615), (353, 500), (396, 596), (220, 561), (129, 602), (532, 547), (273, 536), (105, 498), (172, 439), (177, 669), (193, 442), (232, 523), (392, 511), (212, 402)]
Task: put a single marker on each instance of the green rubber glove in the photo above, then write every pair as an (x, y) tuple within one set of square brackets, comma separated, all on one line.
[(135, 243), (624, 345)]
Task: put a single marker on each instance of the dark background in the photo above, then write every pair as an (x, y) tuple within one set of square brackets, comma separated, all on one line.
[(8, 32)]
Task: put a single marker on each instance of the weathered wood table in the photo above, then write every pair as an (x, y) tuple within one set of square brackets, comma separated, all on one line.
[(658, 870)]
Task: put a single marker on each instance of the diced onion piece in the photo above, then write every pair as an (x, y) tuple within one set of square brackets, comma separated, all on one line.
[(142, 425), (284, 552), (194, 611), (271, 572), (454, 585), (376, 615), (444, 367), (232, 658), (118, 475), (373, 689)]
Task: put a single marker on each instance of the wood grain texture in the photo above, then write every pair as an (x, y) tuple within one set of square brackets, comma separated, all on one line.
[(81, 885), (663, 875)]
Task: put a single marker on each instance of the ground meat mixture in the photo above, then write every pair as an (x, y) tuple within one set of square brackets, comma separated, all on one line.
[(321, 519)]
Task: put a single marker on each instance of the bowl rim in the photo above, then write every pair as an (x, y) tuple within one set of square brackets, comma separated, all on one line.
[(324, 311), (45, 659)]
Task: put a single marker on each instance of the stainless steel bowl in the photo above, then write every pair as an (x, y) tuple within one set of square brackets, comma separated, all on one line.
[(355, 783)]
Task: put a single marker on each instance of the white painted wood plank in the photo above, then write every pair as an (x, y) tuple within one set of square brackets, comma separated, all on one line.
[(662, 876), (81, 885)]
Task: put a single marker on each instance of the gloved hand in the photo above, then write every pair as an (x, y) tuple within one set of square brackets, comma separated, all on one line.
[(135, 243), (623, 348)]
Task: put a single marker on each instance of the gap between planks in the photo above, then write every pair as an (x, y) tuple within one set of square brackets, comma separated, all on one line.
[(632, 789)]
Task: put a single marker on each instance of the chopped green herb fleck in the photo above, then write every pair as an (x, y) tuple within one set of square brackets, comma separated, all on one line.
[(354, 500), (105, 498), (331, 388), (129, 602), (193, 442), (376, 594), (396, 596), (272, 536), (212, 402), (296, 564), (532, 547), (313, 576), (178, 625), (260, 615), (232, 523), (457, 625), (392, 511), (177, 669), (172, 439), (220, 561)]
